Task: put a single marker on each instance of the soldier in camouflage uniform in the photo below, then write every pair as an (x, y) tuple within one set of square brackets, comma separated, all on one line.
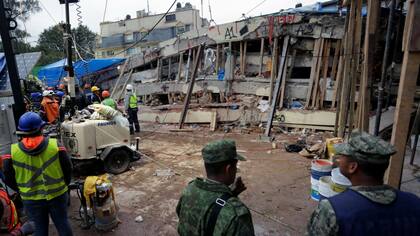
[(196, 208), (369, 207)]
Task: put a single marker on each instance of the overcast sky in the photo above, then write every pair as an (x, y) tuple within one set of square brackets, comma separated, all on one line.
[(93, 11)]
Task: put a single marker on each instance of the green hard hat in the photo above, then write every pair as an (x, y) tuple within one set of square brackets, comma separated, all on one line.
[(220, 151), (366, 147)]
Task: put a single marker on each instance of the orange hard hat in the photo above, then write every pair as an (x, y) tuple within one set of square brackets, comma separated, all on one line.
[(105, 94)]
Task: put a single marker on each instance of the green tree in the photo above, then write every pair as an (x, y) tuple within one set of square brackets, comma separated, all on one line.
[(51, 43), (21, 10), (85, 41)]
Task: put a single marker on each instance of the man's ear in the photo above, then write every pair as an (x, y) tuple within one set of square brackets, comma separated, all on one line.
[(352, 167), (227, 168)]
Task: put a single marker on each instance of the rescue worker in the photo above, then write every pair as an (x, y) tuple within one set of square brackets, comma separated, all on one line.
[(107, 100), (50, 106), (369, 207), (209, 206), (36, 99), (130, 104), (40, 170), (10, 224), (96, 96)]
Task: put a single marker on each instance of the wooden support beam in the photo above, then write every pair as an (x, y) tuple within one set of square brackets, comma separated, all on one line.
[(282, 66), (336, 58), (318, 71), (368, 64), (245, 46), (323, 86), (339, 77), (187, 69), (261, 58), (124, 85), (286, 76), (180, 65), (273, 66), (122, 72), (315, 58), (217, 59), (158, 69), (223, 57), (355, 75), (348, 57), (191, 87), (283, 82), (406, 92), (241, 56)]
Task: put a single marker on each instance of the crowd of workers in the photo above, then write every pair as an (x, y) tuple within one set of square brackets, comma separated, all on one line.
[(53, 103)]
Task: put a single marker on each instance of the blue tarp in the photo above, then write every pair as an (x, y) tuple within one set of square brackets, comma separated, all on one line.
[(326, 7), (51, 74)]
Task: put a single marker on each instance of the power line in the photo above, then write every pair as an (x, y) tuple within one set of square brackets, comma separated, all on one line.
[(49, 14), (259, 4), (148, 32)]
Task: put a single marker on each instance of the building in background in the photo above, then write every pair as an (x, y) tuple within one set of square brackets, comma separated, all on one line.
[(117, 38)]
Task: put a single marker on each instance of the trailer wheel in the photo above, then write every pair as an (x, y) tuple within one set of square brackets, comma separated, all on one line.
[(117, 161)]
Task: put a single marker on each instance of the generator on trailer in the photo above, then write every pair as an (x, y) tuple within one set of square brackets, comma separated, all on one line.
[(90, 141)]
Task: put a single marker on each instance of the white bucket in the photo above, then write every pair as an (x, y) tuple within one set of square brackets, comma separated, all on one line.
[(319, 169), (324, 187)]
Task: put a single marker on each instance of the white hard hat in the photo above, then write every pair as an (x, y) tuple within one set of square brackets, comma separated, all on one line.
[(47, 93), (129, 87)]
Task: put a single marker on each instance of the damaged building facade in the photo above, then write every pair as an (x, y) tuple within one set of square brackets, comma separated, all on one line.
[(235, 81), (128, 37)]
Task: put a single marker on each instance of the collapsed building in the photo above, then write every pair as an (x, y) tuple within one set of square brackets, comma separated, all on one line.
[(232, 70)]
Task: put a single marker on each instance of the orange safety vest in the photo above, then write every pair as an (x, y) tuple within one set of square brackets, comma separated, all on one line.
[(9, 219), (51, 108)]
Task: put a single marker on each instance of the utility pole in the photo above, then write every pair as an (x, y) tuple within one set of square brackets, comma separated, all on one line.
[(7, 24), (69, 52)]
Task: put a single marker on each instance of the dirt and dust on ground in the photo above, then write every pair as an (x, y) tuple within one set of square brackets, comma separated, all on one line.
[(278, 183)]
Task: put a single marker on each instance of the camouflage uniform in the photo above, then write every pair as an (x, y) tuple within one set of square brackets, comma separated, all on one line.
[(199, 196), (323, 220), (363, 147)]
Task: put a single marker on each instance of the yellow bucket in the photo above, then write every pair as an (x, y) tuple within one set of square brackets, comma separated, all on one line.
[(330, 146)]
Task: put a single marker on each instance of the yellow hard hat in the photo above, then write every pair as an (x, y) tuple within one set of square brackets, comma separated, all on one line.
[(94, 89)]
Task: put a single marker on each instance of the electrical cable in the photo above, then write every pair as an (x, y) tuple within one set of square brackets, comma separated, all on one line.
[(259, 4), (49, 14), (106, 5), (148, 32), (79, 14)]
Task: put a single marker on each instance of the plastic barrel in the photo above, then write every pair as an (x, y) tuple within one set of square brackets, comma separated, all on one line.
[(319, 169)]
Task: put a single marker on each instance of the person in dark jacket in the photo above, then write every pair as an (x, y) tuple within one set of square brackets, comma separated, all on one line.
[(369, 207), (39, 169)]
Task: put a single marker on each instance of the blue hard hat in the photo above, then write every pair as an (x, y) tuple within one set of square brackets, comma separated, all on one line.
[(30, 122), (60, 93), (36, 96)]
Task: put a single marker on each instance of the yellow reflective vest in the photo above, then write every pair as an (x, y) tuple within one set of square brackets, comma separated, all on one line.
[(39, 177), (133, 101)]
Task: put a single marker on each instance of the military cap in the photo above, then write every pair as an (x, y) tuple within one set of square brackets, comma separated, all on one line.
[(366, 147), (220, 151)]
